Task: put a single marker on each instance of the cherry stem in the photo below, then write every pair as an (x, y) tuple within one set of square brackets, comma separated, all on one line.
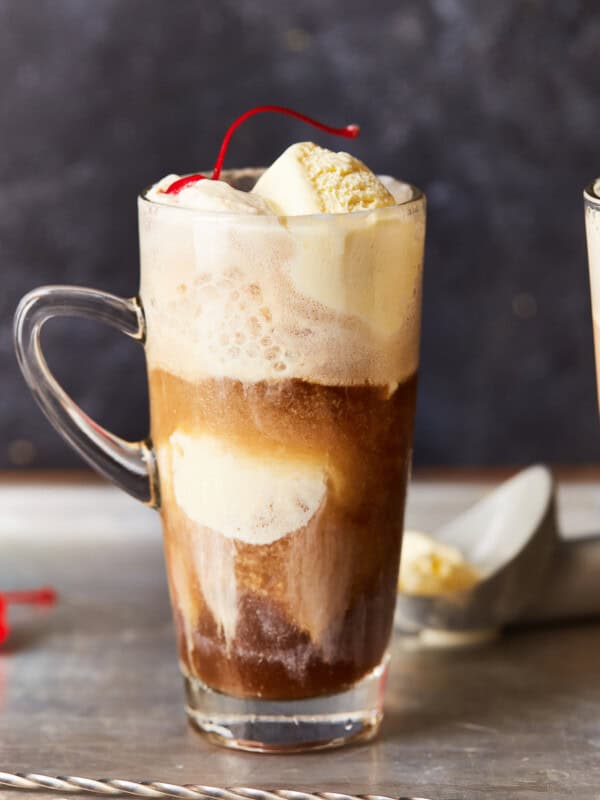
[(43, 597), (348, 132)]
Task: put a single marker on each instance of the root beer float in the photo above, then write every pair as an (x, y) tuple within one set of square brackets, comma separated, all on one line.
[(279, 310), (282, 311)]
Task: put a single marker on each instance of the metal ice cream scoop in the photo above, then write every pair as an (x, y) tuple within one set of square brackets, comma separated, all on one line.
[(528, 572)]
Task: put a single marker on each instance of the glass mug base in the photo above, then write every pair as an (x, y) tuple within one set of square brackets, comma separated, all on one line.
[(288, 726)]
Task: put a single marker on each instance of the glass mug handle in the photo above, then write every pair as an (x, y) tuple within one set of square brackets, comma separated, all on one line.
[(131, 465)]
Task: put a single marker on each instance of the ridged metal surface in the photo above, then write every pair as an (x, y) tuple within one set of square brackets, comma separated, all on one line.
[(112, 787)]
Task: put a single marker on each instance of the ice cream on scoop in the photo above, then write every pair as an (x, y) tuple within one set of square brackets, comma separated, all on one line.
[(429, 567), (308, 179)]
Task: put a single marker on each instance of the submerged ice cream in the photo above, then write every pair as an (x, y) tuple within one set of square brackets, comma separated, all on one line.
[(282, 351), (273, 496)]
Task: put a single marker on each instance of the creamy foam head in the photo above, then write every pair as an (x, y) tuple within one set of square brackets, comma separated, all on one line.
[(334, 299)]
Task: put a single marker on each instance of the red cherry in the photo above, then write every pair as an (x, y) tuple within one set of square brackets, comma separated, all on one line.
[(4, 629), (348, 132), (41, 597), (45, 596)]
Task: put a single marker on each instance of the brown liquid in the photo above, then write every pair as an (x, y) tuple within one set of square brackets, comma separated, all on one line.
[(314, 608)]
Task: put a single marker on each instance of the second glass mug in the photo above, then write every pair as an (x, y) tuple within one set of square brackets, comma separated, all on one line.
[(591, 201), (282, 358)]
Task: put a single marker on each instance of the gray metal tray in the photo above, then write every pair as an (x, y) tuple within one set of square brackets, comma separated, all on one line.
[(91, 687)]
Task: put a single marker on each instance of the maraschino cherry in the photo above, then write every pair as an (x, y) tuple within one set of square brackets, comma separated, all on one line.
[(348, 132), (40, 597)]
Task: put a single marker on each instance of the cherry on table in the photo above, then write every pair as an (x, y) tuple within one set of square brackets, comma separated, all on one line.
[(46, 596)]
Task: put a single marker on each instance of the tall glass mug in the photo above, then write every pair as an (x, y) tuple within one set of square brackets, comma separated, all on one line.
[(591, 199), (282, 358)]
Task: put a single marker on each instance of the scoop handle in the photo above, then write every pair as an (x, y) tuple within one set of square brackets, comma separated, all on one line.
[(571, 586)]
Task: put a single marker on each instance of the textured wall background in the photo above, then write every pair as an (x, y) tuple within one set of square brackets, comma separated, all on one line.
[(492, 107)]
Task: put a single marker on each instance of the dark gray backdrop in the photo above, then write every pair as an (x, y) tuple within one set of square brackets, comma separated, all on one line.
[(492, 107)]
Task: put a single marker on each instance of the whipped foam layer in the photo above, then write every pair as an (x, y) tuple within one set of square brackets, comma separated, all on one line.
[(334, 299), (256, 500)]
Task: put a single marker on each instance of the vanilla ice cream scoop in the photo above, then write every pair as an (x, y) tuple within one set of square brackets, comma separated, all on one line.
[(308, 179), (209, 195)]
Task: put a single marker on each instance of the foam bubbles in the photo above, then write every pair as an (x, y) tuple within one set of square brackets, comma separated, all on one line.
[(233, 320)]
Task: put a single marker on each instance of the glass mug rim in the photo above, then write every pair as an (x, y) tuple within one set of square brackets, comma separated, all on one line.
[(591, 192), (416, 199)]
